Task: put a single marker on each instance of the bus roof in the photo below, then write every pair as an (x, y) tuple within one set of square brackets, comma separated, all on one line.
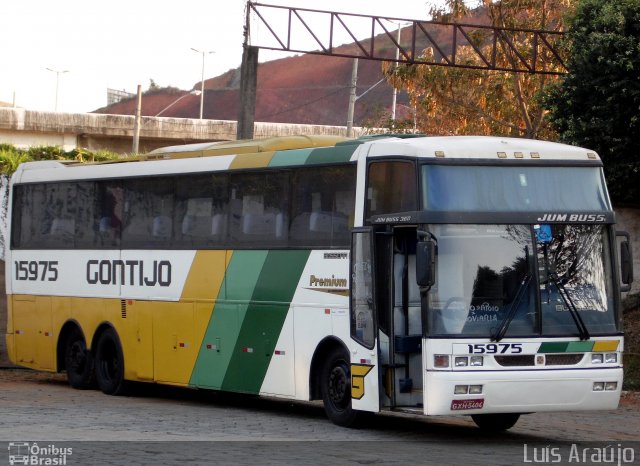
[(479, 147), (306, 150), (243, 146)]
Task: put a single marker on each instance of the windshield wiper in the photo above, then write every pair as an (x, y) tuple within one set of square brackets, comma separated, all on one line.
[(564, 294), (513, 309)]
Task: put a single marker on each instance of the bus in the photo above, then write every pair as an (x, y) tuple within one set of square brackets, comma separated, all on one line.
[(476, 276)]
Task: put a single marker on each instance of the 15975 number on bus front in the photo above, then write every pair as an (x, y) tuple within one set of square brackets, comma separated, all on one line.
[(495, 348), (36, 270)]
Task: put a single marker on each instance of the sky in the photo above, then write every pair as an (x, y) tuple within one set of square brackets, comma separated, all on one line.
[(95, 45)]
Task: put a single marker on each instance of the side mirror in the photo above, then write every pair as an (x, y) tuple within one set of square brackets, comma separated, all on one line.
[(426, 264), (626, 262)]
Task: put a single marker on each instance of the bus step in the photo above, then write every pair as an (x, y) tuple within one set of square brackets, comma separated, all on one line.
[(406, 385), (409, 409)]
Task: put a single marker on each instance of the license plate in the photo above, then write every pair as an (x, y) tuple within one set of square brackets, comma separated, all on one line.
[(467, 404)]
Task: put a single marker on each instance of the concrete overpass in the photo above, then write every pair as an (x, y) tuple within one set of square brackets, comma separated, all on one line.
[(93, 131)]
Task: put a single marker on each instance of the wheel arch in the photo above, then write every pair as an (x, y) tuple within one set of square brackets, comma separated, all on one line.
[(100, 330), (325, 346), (68, 327)]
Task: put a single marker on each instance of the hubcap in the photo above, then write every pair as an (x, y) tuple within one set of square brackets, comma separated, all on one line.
[(339, 386)]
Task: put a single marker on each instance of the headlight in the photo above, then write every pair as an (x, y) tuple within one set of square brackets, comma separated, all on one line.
[(597, 358), (611, 386), (611, 358), (598, 386), (461, 389), (462, 361), (477, 361)]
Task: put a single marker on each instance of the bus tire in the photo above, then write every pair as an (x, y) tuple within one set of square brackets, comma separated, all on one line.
[(109, 362), (335, 380), (78, 361), (495, 422)]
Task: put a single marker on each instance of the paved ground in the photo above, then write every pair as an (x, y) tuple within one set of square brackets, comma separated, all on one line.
[(163, 425)]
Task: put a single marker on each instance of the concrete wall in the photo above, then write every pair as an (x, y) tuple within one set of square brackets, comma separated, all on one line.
[(26, 128)]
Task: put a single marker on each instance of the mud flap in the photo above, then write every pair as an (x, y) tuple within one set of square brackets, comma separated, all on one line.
[(364, 383)]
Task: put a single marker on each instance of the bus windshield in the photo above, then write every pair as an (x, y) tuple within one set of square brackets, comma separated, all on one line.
[(524, 189), (486, 272)]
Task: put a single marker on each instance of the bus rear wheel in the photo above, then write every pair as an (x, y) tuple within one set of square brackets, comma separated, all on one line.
[(78, 362), (109, 361), (495, 422), (336, 388)]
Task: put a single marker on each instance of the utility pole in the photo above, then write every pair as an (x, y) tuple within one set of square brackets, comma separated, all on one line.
[(395, 91), (136, 127), (352, 97)]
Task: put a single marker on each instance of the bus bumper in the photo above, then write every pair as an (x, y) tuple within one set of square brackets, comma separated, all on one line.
[(522, 391)]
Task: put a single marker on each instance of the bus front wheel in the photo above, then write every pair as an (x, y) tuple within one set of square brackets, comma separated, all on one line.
[(495, 422), (109, 362), (78, 362), (336, 388)]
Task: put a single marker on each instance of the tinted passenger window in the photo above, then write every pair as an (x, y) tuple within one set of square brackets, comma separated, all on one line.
[(322, 206), (391, 188), (148, 213), (258, 205), (46, 215), (201, 211)]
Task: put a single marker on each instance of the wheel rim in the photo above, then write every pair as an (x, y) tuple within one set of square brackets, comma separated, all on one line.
[(338, 388)]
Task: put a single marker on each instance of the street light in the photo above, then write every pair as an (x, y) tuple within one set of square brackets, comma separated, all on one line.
[(58, 73), (202, 80)]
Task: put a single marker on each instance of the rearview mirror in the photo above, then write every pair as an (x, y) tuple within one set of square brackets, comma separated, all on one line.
[(626, 261), (426, 264)]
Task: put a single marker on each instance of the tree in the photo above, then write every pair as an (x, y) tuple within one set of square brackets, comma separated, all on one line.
[(597, 105), (466, 101)]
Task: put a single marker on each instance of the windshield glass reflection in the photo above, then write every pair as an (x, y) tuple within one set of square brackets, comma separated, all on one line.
[(480, 271), (488, 278), (576, 255)]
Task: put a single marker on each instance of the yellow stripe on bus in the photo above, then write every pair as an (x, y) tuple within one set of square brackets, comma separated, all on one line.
[(258, 160), (605, 345), (206, 275)]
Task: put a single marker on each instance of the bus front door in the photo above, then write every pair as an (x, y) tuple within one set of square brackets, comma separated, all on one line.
[(399, 319)]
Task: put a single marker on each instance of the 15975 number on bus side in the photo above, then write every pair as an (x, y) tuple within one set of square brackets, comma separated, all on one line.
[(495, 348), (36, 270)]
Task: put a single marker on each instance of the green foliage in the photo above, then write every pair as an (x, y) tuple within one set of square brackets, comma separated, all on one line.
[(597, 105), (11, 157), (46, 153)]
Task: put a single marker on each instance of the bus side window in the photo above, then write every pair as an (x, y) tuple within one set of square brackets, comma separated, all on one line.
[(391, 187), (258, 206), (148, 213), (322, 206)]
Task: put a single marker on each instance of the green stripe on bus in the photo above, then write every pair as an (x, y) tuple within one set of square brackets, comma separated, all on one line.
[(290, 157), (335, 154), (264, 320), (224, 326), (580, 346), (553, 347)]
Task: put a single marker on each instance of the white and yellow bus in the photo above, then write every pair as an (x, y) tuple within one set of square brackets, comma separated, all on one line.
[(431, 275)]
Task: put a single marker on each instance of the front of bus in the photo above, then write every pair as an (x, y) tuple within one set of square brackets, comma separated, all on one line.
[(518, 280)]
